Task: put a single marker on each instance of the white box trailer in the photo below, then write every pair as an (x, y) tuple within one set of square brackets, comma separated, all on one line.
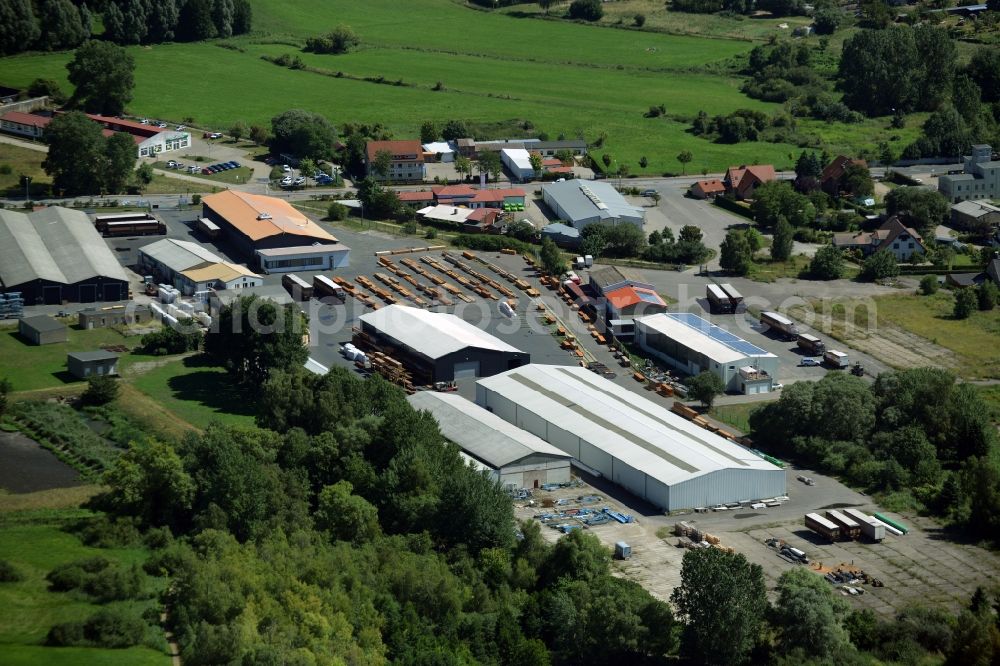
[(870, 527), (836, 359)]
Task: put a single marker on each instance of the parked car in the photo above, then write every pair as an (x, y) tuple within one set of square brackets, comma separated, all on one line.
[(171, 164), (161, 125), (300, 180), (648, 193), (215, 135), (810, 362), (286, 181), (180, 127), (194, 168), (285, 168), (207, 171), (144, 121)]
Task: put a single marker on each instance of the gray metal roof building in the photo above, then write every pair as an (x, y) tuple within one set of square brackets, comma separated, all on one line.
[(177, 255), (513, 456), (693, 345), (633, 441), (584, 202), (438, 346), (55, 255)]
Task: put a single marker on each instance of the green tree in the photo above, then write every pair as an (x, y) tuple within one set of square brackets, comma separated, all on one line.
[(827, 264), (586, 10), (857, 180), (722, 599), (928, 285), (339, 40), (102, 74), (879, 266), (735, 255), (61, 25), (536, 162), (307, 167), (705, 387), (380, 203), (576, 556), (754, 239), (18, 27), (149, 481), (784, 237), (303, 134), (490, 163), (454, 130), (936, 65), (684, 157), (162, 21), (809, 616), (119, 163), (73, 140), (346, 516), (126, 21), (196, 21), (984, 69), (259, 134), (5, 387), (144, 176), (463, 165), (986, 294), (923, 208), (46, 88), (256, 337), (336, 212), (551, 258), (966, 301), (238, 130), (877, 70), (101, 390), (428, 132)]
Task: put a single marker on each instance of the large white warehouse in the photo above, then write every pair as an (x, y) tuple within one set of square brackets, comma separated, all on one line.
[(513, 456), (693, 345), (651, 452), (583, 202)]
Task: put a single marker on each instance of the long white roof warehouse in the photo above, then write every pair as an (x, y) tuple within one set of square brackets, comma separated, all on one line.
[(648, 450)]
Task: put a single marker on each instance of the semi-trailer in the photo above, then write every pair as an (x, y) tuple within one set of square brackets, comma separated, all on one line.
[(836, 359), (298, 288), (718, 301), (822, 526), (324, 286), (849, 528), (890, 523), (811, 344), (871, 528), (735, 298), (779, 323)]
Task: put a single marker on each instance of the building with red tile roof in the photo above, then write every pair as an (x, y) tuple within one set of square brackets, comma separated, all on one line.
[(24, 124), (902, 241), (741, 181), (631, 301), (704, 189), (829, 179)]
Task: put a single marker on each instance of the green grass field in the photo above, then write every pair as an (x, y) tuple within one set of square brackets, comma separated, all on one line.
[(496, 70), (196, 393), (35, 543), (31, 368), (737, 416)]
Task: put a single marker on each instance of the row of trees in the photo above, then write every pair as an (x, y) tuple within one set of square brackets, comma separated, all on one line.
[(156, 21), (627, 240), (46, 25)]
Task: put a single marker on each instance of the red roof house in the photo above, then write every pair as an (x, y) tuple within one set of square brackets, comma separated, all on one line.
[(704, 189), (741, 181)]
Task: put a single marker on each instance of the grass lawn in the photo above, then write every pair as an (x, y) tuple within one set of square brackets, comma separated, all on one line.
[(35, 543), (505, 76), (737, 416), (991, 394), (765, 270), (196, 393), (240, 175), (18, 161), (976, 340), (31, 368)]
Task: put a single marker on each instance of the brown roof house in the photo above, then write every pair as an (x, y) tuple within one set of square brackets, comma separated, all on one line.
[(830, 178), (904, 242), (741, 181), (705, 189)]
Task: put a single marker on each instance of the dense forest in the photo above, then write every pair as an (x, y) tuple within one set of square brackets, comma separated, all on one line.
[(54, 25)]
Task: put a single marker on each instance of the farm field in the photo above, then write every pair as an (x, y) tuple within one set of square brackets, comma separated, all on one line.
[(503, 72)]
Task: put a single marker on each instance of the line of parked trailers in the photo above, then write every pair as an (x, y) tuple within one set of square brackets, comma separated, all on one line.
[(724, 299), (784, 326), (851, 524), (321, 287)]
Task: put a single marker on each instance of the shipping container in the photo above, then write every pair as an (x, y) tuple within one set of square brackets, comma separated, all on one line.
[(849, 528), (811, 343), (779, 323), (836, 359), (822, 526), (209, 228), (298, 288), (718, 301), (870, 527)]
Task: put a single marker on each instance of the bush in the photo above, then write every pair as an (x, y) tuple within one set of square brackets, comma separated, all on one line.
[(827, 264), (588, 10), (169, 340), (965, 302), (9, 573), (410, 228), (67, 634), (108, 628), (101, 390), (928, 285), (639, 20), (115, 583), (336, 212), (195, 199), (107, 532), (339, 40), (431, 233), (74, 575), (987, 295)]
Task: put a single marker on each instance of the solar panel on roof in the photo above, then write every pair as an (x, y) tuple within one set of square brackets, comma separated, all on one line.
[(717, 333), (648, 297)]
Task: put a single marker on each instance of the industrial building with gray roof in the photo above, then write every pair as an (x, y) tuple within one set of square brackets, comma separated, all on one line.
[(55, 255), (513, 456), (633, 441), (583, 202)]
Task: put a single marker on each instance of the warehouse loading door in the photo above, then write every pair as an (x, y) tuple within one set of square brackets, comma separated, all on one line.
[(467, 370), (52, 295), (88, 293)]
